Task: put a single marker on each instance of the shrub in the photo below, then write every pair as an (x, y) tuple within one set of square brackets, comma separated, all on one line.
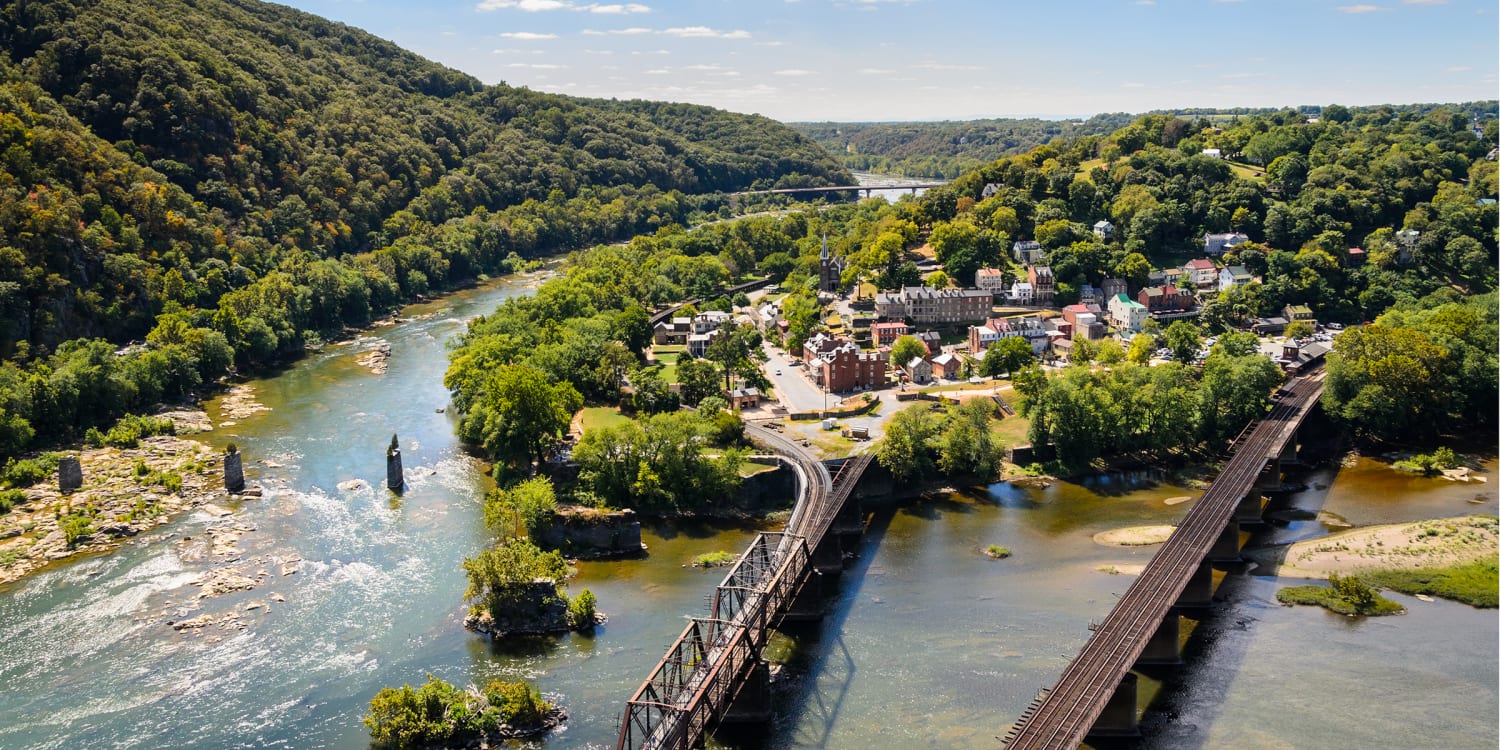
[(10, 499), (29, 471), (581, 610), (75, 528), (714, 559), (172, 481), (997, 552), (519, 703)]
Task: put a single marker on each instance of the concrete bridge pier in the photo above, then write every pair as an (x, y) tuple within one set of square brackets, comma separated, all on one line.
[(1119, 716), (752, 704), (1249, 511), (807, 605), (1227, 548), (1164, 648), (1199, 591), (828, 557)]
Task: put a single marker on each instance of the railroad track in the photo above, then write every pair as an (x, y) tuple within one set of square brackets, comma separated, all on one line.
[(1061, 717)]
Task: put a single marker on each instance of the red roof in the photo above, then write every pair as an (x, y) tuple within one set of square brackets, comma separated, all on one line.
[(1200, 264)]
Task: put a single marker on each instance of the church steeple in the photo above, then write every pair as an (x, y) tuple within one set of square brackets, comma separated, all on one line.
[(824, 254)]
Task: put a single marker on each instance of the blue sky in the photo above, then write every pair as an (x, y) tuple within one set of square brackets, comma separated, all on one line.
[(848, 60)]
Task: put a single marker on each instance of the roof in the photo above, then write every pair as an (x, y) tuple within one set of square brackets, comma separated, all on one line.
[(986, 272), (887, 326), (1100, 224), (1237, 272), (944, 359), (916, 362), (1199, 264), (1356, 251)]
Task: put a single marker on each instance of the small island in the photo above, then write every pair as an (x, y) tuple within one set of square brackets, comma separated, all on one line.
[(1452, 558), (1346, 595), (438, 714)]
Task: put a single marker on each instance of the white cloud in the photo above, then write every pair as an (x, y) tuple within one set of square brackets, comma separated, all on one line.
[(537, 66), (770, 44), (793, 72), (530, 6), (944, 66), (704, 32), (658, 71), (598, 52), (527, 36), (1425, 2), (1357, 9), (634, 30), (615, 9), (875, 71), (538, 6), (1145, 2)]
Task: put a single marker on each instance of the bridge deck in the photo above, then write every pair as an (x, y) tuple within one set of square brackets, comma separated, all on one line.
[(1063, 715), (703, 670)]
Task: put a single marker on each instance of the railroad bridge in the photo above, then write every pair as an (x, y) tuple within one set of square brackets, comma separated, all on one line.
[(866, 189), (715, 671), (1096, 694)]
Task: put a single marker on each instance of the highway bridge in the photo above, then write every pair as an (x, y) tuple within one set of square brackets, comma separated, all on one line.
[(866, 189)]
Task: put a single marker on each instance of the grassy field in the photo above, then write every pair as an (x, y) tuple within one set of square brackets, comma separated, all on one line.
[(1011, 431), (1476, 584), (601, 416)]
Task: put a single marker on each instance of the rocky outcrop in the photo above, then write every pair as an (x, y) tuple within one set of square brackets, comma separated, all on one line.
[(591, 533), (69, 474), (541, 610)]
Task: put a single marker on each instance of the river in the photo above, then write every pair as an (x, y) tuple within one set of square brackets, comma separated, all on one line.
[(928, 644)]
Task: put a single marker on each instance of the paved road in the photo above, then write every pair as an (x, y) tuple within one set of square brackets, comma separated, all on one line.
[(793, 386)]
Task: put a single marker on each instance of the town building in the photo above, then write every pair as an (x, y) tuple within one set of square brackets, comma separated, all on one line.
[(672, 332), (1233, 276), (1356, 256), (1200, 273), (1126, 313), (1218, 244), (1297, 312), (830, 269), (1165, 299), (884, 334), (918, 370), (697, 343), (1043, 286), (1110, 287), (710, 320), (991, 280), (1104, 230), (846, 368), (744, 398), (1027, 251), (924, 304), (947, 366), (1030, 328), (1088, 294), (932, 340), (1020, 293)]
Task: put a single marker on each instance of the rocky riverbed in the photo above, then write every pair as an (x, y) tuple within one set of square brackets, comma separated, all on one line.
[(125, 491)]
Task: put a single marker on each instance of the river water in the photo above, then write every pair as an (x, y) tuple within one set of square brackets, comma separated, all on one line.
[(928, 644)]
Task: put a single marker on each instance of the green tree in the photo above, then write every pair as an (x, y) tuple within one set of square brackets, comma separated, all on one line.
[(699, 379), (499, 577), (1184, 339), (1007, 356), (906, 449), (907, 348), (520, 415), (525, 506), (1141, 349), (967, 447), (1388, 383), (1299, 329)]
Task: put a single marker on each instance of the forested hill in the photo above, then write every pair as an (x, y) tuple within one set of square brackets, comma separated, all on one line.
[(945, 149), (182, 150)]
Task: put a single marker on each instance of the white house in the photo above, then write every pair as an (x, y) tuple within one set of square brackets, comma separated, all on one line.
[(1217, 244), (711, 320), (1021, 293), (1201, 272), (1027, 251), (1213, 153), (1103, 229), (1126, 313), (1233, 276), (991, 280)]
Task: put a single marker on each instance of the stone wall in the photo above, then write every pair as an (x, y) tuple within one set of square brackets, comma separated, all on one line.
[(587, 532)]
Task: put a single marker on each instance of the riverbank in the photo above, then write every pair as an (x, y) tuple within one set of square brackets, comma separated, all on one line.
[(125, 491)]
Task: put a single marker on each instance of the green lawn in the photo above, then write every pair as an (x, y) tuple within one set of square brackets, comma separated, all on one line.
[(601, 416), (1011, 431), (1247, 171)]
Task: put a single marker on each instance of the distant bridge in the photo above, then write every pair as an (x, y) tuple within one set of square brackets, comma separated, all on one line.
[(715, 669), (1096, 695), (867, 189)]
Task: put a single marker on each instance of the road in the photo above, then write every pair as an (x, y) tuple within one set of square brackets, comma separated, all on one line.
[(794, 387)]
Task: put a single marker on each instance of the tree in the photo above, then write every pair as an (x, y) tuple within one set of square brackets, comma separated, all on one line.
[(1110, 353), (1007, 356), (523, 507), (1388, 383), (499, 576), (1299, 329), (907, 348), (905, 450), (1141, 349), (520, 415), (633, 327), (967, 447), (699, 379), (1184, 339)]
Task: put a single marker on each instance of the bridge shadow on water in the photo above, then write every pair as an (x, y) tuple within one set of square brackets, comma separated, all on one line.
[(812, 690), (1192, 696)]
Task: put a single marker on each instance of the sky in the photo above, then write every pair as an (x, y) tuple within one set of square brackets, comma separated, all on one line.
[(889, 60)]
